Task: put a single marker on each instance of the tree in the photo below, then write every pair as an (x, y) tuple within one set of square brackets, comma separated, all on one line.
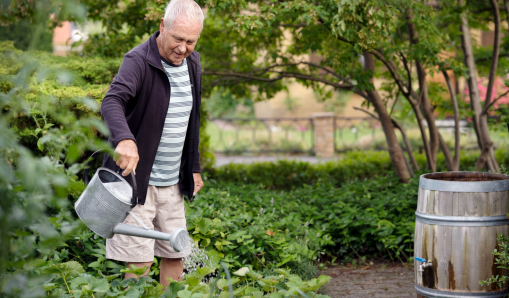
[(485, 12), (250, 47)]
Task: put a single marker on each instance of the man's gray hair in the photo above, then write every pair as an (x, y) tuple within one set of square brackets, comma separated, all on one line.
[(188, 8)]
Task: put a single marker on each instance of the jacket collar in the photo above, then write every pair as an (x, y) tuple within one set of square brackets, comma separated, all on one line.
[(153, 57)]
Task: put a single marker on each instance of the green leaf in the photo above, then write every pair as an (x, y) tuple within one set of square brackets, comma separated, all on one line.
[(112, 265), (294, 281), (72, 154), (215, 256), (242, 271), (283, 272), (71, 268), (323, 279), (91, 283), (132, 293), (135, 270), (275, 295), (95, 264), (205, 271), (185, 294), (204, 289), (172, 290), (254, 275), (222, 284), (49, 286), (40, 144)]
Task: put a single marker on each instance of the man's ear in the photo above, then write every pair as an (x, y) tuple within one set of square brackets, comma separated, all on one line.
[(161, 26)]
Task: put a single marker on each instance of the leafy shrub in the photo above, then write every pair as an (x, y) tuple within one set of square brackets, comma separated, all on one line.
[(87, 80), (361, 217), (21, 33), (502, 260), (244, 232), (70, 279), (291, 174), (35, 215)]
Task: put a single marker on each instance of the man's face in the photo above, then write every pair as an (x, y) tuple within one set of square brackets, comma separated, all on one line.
[(178, 42)]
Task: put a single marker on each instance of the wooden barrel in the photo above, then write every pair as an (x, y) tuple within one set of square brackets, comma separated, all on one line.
[(459, 217)]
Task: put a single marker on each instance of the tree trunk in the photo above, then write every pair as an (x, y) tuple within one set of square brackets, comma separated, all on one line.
[(480, 121), (407, 145), (455, 163), (395, 152), (423, 99)]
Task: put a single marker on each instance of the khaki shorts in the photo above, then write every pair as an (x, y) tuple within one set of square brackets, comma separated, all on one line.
[(163, 211)]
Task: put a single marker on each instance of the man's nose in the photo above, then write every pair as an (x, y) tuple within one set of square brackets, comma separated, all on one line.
[(182, 48)]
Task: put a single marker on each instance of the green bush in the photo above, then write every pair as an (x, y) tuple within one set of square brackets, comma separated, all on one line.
[(21, 33), (291, 174), (87, 79), (35, 215), (373, 216), (69, 280)]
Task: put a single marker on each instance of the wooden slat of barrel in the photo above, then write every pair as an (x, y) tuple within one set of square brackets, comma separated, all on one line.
[(461, 255)]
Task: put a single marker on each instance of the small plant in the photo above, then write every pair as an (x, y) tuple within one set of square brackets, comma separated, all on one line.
[(502, 260), (69, 280)]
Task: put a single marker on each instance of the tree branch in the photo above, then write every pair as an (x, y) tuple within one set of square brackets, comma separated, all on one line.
[(494, 101), (409, 73), (281, 75), (394, 103), (494, 61), (389, 64)]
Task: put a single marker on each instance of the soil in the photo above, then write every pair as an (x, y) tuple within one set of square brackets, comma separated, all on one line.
[(374, 280)]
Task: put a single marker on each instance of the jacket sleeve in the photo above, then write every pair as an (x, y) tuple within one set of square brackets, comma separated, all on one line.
[(197, 165), (124, 88)]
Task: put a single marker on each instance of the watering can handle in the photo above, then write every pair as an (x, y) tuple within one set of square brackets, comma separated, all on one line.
[(86, 179)]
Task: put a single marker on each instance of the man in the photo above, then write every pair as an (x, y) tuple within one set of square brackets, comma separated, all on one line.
[(153, 112)]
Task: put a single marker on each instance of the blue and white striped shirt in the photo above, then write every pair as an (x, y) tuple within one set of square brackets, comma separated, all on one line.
[(165, 171)]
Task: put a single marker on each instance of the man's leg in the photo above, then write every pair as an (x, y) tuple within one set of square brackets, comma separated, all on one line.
[(139, 265), (170, 268)]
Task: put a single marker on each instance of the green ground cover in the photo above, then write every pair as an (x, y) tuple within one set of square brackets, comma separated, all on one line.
[(271, 233), (290, 174)]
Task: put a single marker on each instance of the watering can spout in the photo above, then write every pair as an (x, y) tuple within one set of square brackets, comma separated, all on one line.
[(178, 239)]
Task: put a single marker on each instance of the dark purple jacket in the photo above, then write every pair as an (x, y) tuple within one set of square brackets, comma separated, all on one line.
[(135, 108)]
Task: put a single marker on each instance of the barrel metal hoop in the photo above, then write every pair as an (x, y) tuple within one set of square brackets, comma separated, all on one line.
[(463, 186), (462, 221), (427, 292)]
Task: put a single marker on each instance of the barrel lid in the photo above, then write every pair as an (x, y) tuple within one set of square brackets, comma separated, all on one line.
[(464, 182)]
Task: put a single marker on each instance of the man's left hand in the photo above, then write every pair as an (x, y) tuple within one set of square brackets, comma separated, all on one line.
[(198, 183)]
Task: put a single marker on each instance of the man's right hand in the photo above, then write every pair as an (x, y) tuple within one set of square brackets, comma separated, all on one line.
[(126, 156)]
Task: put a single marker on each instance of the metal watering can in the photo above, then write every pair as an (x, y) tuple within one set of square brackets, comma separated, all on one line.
[(108, 199)]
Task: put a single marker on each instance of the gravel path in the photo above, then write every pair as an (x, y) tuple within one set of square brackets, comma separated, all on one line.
[(385, 280)]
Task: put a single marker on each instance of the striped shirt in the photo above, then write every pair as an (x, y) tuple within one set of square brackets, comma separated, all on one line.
[(165, 171)]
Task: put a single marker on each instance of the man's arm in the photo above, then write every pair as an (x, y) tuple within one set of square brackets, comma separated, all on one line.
[(124, 88)]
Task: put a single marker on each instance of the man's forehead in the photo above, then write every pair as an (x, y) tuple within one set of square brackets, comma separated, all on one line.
[(183, 23)]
